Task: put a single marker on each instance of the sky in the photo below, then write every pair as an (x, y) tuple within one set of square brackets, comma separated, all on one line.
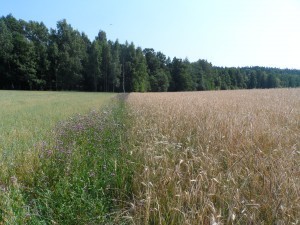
[(224, 32)]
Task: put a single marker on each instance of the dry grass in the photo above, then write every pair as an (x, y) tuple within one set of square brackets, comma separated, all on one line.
[(225, 157)]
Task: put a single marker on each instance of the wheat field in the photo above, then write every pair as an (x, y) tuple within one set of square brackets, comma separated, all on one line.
[(220, 157)]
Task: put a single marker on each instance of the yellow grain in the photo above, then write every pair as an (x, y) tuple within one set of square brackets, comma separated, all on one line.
[(217, 157)]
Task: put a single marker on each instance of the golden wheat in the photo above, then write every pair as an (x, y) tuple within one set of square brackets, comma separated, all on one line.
[(223, 157)]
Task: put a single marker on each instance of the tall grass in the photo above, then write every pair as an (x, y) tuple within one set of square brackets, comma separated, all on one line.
[(84, 178), (78, 175), (27, 118), (225, 157)]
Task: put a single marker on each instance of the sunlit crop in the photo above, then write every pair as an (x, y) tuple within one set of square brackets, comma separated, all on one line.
[(223, 157)]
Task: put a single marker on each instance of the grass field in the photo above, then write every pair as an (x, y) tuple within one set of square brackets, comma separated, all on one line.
[(28, 117), (217, 157), (27, 120), (224, 157)]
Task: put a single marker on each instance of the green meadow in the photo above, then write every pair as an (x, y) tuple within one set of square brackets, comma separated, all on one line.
[(28, 117), (32, 163)]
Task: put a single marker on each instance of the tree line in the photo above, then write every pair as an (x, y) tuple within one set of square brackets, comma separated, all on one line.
[(33, 57)]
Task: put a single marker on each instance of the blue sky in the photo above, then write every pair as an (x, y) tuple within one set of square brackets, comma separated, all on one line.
[(226, 33)]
